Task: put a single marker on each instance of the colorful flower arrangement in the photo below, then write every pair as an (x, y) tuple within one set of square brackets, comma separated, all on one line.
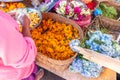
[(97, 41), (75, 10)]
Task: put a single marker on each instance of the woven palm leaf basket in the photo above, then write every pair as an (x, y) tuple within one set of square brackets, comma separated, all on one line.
[(50, 62), (99, 23), (108, 22)]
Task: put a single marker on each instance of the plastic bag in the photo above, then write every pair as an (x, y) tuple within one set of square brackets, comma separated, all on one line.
[(34, 16), (45, 6)]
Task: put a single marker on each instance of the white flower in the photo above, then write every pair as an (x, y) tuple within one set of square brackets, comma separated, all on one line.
[(76, 3), (63, 3), (61, 10), (85, 12), (58, 10), (75, 17), (71, 13)]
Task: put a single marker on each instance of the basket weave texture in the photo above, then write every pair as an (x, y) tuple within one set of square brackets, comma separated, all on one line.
[(98, 23), (52, 63), (111, 23)]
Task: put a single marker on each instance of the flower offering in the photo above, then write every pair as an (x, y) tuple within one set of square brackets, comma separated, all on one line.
[(75, 10)]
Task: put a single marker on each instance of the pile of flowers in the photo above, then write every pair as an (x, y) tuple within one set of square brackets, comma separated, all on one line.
[(86, 68), (102, 43), (74, 10)]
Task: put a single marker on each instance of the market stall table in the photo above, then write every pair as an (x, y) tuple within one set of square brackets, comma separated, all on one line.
[(107, 74)]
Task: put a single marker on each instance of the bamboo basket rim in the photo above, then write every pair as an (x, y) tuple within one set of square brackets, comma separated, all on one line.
[(55, 59)]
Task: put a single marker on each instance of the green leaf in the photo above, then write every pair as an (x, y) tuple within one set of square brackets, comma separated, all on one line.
[(98, 42), (80, 56), (82, 43), (108, 11)]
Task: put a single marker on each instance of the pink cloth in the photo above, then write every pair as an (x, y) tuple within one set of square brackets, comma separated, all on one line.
[(17, 53)]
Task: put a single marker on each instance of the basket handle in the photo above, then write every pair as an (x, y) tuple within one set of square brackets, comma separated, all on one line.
[(101, 59)]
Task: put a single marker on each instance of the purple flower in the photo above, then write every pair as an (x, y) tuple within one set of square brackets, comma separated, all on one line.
[(67, 7), (77, 10), (79, 17)]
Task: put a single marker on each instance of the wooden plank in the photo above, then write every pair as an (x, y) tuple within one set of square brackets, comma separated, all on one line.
[(107, 74), (106, 61)]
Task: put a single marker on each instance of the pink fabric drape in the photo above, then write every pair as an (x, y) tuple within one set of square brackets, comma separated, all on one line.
[(17, 53)]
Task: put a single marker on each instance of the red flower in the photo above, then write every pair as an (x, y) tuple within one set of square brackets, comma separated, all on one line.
[(91, 5)]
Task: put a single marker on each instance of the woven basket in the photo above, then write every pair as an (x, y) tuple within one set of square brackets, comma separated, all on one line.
[(28, 3), (98, 23), (111, 23), (52, 63)]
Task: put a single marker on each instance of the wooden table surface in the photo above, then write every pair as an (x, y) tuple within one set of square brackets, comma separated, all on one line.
[(107, 74)]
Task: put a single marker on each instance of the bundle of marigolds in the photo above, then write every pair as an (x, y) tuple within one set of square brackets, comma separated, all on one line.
[(11, 6), (52, 39)]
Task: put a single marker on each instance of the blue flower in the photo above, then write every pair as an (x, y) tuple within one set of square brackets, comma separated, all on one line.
[(94, 37), (97, 42), (97, 12), (99, 33), (73, 43), (88, 42), (76, 65), (94, 46), (91, 69), (106, 37), (107, 50)]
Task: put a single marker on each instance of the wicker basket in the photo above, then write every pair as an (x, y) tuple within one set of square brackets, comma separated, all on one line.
[(99, 23), (52, 63), (111, 23)]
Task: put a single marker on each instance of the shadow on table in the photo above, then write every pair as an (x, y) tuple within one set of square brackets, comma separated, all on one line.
[(118, 76), (50, 76)]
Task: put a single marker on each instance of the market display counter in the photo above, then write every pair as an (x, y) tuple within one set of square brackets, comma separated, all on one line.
[(107, 74)]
